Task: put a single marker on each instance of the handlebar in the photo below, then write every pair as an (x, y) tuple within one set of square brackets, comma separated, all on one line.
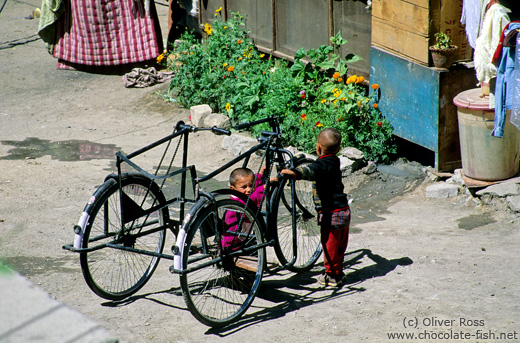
[(216, 130), (273, 120)]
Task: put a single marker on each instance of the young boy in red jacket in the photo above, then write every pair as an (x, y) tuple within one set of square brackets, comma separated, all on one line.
[(331, 203)]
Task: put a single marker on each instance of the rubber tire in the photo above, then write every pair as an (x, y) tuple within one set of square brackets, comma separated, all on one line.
[(115, 274), (307, 229), (218, 294)]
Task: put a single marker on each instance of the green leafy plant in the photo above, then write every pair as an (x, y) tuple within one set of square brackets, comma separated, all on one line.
[(442, 41), (227, 72)]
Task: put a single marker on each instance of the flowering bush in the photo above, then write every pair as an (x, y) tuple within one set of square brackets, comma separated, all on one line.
[(228, 73)]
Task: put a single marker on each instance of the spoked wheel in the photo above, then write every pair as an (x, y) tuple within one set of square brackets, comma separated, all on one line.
[(112, 272), (222, 278), (297, 249)]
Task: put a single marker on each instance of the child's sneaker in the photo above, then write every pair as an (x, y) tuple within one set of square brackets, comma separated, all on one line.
[(327, 280)]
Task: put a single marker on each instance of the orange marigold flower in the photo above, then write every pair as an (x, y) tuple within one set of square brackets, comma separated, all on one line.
[(379, 123), (323, 101), (351, 79), (240, 58), (340, 79), (336, 75), (360, 79), (160, 58), (375, 86), (231, 68), (304, 116), (239, 41), (374, 105)]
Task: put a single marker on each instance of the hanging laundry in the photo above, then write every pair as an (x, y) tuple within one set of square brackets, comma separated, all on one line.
[(472, 17), (495, 19), (507, 85)]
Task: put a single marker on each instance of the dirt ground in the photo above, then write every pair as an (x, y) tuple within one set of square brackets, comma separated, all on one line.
[(437, 269)]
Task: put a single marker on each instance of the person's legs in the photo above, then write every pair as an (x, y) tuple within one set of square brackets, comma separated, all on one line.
[(334, 244), (334, 239)]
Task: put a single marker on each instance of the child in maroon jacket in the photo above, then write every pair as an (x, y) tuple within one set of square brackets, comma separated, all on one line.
[(331, 203)]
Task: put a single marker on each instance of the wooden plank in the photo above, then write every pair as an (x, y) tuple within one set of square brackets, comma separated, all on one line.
[(248, 263), (420, 3), (402, 14), (474, 183), (406, 43)]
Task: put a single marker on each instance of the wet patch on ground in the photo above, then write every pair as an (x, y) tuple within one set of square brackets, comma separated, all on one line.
[(70, 150), (371, 195), (26, 265), (474, 221)]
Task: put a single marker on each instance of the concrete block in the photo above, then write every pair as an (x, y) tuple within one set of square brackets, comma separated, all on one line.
[(352, 153), (218, 120), (199, 113), (442, 190), (237, 144), (513, 201), (500, 190)]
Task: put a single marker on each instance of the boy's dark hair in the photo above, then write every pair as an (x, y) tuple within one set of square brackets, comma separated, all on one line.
[(239, 173), (330, 140)]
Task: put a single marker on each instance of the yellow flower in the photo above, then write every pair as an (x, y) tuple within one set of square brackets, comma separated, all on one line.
[(160, 58), (262, 55), (225, 65), (228, 105), (225, 27), (352, 79), (191, 52), (220, 9), (323, 101), (208, 29), (337, 93), (318, 124)]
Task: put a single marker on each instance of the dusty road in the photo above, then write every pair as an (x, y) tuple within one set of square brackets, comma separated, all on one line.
[(436, 269)]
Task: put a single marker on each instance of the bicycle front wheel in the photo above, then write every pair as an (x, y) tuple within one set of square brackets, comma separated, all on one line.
[(117, 271), (221, 280), (299, 247)]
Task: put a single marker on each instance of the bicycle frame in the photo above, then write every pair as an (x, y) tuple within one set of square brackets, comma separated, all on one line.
[(180, 226)]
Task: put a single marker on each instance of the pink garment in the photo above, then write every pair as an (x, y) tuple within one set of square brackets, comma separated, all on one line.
[(231, 219), (106, 33)]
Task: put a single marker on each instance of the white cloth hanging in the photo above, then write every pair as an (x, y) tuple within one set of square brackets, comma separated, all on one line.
[(472, 17), (495, 20)]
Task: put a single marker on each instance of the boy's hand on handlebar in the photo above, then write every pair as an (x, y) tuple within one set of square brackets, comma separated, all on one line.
[(284, 173)]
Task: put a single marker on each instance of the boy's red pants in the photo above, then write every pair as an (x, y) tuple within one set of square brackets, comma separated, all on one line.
[(334, 239)]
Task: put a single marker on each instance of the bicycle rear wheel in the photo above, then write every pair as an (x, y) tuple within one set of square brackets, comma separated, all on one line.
[(297, 249), (111, 272), (219, 288)]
